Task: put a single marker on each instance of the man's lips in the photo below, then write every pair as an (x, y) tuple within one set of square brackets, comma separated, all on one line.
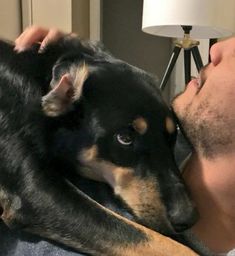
[(199, 81), (202, 76), (196, 82)]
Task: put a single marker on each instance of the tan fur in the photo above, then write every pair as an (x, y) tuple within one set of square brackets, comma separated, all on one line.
[(10, 205), (60, 98), (140, 194), (170, 126), (89, 157), (89, 154), (82, 73), (158, 246), (3, 198), (154, 245), (140, 125), (100, 170)]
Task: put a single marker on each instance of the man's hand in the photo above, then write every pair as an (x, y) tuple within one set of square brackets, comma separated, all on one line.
[(36, 34)]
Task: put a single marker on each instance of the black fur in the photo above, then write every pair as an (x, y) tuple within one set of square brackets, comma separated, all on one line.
[(41, 182)]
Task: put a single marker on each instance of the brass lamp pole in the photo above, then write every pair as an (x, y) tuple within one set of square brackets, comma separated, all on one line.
[(190, 46)]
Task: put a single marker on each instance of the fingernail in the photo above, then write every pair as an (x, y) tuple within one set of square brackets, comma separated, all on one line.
[(19, 48), (41, 49)]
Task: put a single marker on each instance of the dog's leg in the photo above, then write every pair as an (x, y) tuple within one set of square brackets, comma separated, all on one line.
[(75, 220)]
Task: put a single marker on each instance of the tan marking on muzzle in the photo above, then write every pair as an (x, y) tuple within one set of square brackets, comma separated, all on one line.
[(98, 169), (170, 126), (89, 154), (140, 125), (88, 157), (143, 197), (140, 194)]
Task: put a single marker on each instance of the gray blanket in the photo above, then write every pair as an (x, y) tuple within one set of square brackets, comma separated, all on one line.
[(21, 244)]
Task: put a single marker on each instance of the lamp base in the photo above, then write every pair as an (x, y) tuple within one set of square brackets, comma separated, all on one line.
[(190, 46)]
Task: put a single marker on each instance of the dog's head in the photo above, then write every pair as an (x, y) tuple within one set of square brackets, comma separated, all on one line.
[(124, 136)]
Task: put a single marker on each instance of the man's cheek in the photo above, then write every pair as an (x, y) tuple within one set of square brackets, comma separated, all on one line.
[(179, 104), (186, 98)]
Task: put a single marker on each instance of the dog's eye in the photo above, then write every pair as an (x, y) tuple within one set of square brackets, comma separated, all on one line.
[(125, 138)]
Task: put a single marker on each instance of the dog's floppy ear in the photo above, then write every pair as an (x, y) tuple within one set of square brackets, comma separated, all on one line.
[(65, 91)]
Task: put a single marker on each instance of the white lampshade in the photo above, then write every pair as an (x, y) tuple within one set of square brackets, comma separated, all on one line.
[(208, 18)]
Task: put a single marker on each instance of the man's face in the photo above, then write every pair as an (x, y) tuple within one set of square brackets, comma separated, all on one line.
[(206, 108)]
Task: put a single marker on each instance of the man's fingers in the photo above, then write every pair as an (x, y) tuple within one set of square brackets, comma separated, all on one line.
[(52, 36), (36, 34), (30, 36)]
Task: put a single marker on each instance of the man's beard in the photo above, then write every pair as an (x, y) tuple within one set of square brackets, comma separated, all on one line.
[(210, 132)]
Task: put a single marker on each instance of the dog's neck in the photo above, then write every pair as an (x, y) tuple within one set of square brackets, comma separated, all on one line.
[(212, 185)]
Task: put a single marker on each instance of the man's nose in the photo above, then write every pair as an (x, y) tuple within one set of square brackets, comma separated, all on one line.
[(221, 50), (216, 53)]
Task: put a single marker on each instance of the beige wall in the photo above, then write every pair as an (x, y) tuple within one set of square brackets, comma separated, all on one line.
[(10, 19), (66, 15)]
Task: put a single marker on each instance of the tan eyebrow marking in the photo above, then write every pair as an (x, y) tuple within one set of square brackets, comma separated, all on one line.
[(89, 154), (140, 125), (170, 126)]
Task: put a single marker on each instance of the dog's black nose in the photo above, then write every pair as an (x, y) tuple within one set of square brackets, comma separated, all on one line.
[(182, 227), (184, 222)]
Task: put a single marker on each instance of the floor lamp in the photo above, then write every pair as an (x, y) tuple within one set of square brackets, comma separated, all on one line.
[(184, 19)]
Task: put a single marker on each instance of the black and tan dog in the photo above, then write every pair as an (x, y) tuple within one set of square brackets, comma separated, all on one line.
[(104, 133)]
